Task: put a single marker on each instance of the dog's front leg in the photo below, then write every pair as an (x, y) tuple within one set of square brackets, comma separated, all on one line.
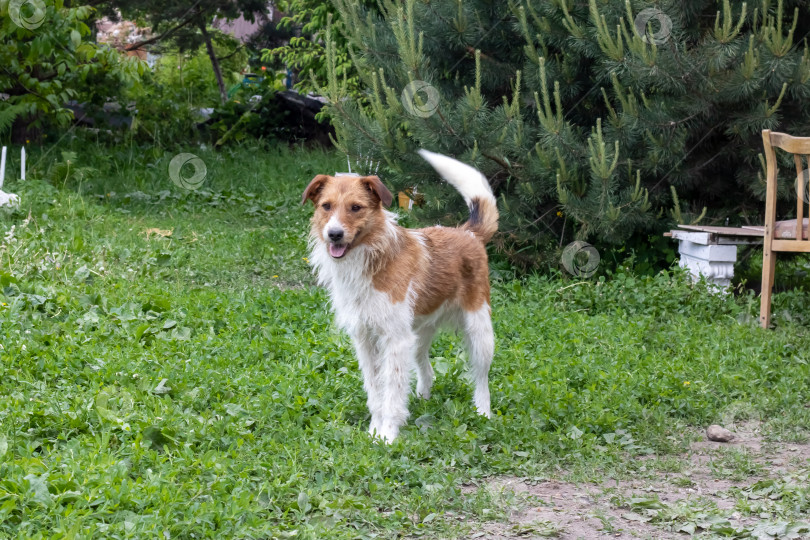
[(424, 371), (368, 357), (395, 377)]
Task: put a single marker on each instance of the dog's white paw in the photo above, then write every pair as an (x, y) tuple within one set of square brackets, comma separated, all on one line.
[(380, 432), (374, 428), (423, 391), (381, 437), (386, 433), (484, 410), (481, 400)]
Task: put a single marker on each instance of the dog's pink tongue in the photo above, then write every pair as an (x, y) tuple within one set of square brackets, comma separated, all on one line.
[(337, 250)]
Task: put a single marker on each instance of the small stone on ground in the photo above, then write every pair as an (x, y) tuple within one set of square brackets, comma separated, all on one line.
[(719, 434)]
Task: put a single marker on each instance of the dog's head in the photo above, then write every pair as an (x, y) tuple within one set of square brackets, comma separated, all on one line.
[(347, 210)]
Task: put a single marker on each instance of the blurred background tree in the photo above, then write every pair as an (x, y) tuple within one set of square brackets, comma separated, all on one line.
[(306, 25), (49, 59), (186, 24), (591, 119)]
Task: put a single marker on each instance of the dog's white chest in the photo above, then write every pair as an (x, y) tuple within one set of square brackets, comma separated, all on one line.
[(357, 304), (364, 306)]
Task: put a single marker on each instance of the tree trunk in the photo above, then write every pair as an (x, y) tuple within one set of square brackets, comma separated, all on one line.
[(214, 62)]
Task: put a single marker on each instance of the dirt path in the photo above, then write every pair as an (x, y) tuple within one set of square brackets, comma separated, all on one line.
[(745, 488)]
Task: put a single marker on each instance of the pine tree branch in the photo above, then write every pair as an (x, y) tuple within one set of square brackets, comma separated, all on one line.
[(471, 51), (535, 222), (497, 160), (349, 118), (681, 121)]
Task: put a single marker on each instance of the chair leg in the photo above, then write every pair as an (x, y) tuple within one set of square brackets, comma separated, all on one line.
[(768, 266)]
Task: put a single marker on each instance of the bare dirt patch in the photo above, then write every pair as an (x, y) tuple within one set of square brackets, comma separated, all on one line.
[(563, 510), (699, 492), (777, 457)]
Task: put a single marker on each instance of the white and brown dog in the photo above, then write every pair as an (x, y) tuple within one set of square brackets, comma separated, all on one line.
[(392, 288)]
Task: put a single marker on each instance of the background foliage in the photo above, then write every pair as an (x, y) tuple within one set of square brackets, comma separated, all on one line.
[(185, 23), (309, 22), (586, 127), (177, 88), (46, 66)]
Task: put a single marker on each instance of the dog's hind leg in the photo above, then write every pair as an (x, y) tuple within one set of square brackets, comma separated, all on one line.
[(424, 371), (480, 342), (368, 357)]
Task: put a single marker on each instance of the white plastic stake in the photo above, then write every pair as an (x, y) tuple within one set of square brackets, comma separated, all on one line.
[(22, 163), (3, 167)]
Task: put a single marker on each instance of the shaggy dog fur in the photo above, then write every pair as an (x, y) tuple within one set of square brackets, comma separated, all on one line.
[(392, 288)]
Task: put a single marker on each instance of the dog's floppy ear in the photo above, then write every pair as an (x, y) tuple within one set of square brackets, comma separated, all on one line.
[(314, 188), (374, 185)]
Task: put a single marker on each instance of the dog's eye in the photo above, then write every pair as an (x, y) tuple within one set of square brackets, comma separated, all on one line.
[(356, 208), (326, 206)]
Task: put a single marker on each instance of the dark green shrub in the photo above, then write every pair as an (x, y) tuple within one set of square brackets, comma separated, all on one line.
[(588, 124)]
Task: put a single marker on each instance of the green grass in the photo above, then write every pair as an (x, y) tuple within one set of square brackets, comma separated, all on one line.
[(194, 386)]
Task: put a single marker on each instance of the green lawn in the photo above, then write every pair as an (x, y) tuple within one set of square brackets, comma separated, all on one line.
[(192, 385)]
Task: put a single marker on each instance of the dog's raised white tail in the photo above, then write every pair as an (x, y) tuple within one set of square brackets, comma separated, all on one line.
[(475, 189), (467, 180)]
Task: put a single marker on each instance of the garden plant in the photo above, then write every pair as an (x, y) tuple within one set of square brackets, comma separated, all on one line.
[(169, 368)]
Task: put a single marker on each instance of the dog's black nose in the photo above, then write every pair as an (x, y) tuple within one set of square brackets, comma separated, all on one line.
[(335, 235)]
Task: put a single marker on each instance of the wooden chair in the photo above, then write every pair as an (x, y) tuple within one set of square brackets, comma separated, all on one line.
[(790, 235)]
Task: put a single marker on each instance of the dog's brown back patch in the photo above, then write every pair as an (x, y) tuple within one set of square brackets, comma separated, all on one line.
[(451, 266), (458, 270)]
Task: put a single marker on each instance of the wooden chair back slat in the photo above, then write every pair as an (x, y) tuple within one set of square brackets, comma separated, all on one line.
[(789, 143), (797, 159)]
